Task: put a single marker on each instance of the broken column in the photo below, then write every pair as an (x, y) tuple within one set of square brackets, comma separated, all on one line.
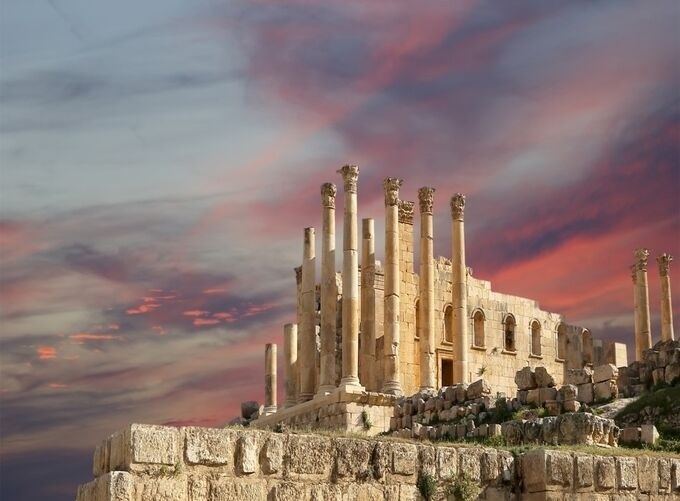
[(269, 379), (644, 341), (290, 353), (459, 290), (426, 305), (350, 283), (664, 262), (391, 383), (328, 293), (307, 334), (367, 356)]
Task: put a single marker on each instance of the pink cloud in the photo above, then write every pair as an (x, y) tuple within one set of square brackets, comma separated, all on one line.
[(195, 313), (205, 321), (88, 336), (46, 352)]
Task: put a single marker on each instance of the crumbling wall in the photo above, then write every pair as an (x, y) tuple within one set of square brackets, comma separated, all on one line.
[(144, 462)]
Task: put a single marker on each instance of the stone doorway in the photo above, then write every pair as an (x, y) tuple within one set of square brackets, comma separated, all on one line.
[(447, 372)]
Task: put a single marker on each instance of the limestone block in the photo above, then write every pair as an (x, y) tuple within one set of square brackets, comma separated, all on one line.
[(272, 454), (483, 430), (478, 389), (286, 491), (353, 457), (165, 489), (209, 446), (543, 378), (513, 432), (658, 375), (675, 475), (406, 421), (309, 455), (585, 393), (532, 431), (143, 445), (100, 460), (605, 473), (469, 461), (546, 393), (247, 453), (567, 392), (571, 405), (404, 459), (550, 430), (430, 404), (522, 396), (533, 397), (672, 372), (645, 374), (447, 462), (525, 379), (648, 474), (494, 430), (553, 407), (579, 376), (461, 430), (605, 372), (461, 392), (546, 470), (415, 430), (626, 473), (605, 390), (364, 492), (113, 486), (584, 477), (664, 475), (649, 434), (489, 467)]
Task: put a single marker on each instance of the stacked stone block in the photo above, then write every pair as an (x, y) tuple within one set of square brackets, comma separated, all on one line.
[(569, 428), (660, 364)]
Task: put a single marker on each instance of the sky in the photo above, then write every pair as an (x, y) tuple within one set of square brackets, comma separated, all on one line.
[(160, 159)]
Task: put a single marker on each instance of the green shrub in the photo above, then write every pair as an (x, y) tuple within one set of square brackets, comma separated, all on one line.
[(463, 488), (366, 420), (427, 485)]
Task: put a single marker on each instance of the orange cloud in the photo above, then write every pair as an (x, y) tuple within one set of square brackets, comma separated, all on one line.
[(143, 308), (215, 290), (205, 321), (87, 336), (159, 329), (57, 385), (195, 313), (46, 352)]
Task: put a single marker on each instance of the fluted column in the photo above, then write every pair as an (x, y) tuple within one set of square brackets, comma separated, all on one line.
[(392, 383), (664, 262), (636, 313), (426, 304), (459, 290), (350, 283), (367, 331), (290, 355), (307, 340), (270, 379), (328, 293), (645, 339)]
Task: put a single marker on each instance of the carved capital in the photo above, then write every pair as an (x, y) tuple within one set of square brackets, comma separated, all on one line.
[(426, 199), (633, 273), (350, 175), (392, 185), (298, 274), (664, 262), (458, 206), (406, 211), (641, 256), (328, 192)]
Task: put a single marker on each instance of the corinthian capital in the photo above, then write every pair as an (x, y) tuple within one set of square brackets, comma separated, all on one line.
[(664, 262), (641, 256), (458, 206), (406, 211), (350, 175), (328, 192), (633, 273), (392, 185), (426, 199)]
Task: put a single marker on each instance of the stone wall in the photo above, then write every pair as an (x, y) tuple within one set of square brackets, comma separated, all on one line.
[(660, 364), (144, 462)]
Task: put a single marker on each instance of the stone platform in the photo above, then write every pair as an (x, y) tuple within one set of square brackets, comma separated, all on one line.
[(343, 410)]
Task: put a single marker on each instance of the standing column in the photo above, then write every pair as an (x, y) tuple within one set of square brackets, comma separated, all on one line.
[(350, 283), (367, 356), (426, 304), (636, 313), (459, 290), (392, 384), (307, 345), (328, 292), (641, 256), (290, 354), (664, 262), (269, 379)]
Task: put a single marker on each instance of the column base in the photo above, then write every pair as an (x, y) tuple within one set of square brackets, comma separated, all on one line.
[(302, 398), (268, 411), (324, 390), (392, 388), (351, 384)]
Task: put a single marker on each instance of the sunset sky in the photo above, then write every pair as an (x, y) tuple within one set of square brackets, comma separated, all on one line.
[(159, 160)]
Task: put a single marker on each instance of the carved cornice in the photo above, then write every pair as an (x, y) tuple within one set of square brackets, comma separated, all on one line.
[(391, 186), (641, 256), (298, 274), (426, 199), (458, 206), (406, 211), (350, 175), (328, 192), (664, 262), (633, 273)]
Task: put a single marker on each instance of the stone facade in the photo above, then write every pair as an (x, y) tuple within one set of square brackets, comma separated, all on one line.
[(159, 463)]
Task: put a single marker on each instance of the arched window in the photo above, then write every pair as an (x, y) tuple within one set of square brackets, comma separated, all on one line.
[(587, 347), (535, 338), (509, 334), (417, 334), (478, 328), (448, 319), (561, 341)]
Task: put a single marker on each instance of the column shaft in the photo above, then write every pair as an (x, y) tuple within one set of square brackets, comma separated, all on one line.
[(367, 331), (636, 314), (350, 283), (290, 354), (392, 384), (307, 339), (270, 379), (426, 304), (328, 291), (643, 300), (459, 291), (664, 262)]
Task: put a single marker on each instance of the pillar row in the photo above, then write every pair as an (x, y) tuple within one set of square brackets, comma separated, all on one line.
[(367, 332), (644, 340), (270, 379), (426, 304), (307, 334), (328, 293), (459, 290)]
